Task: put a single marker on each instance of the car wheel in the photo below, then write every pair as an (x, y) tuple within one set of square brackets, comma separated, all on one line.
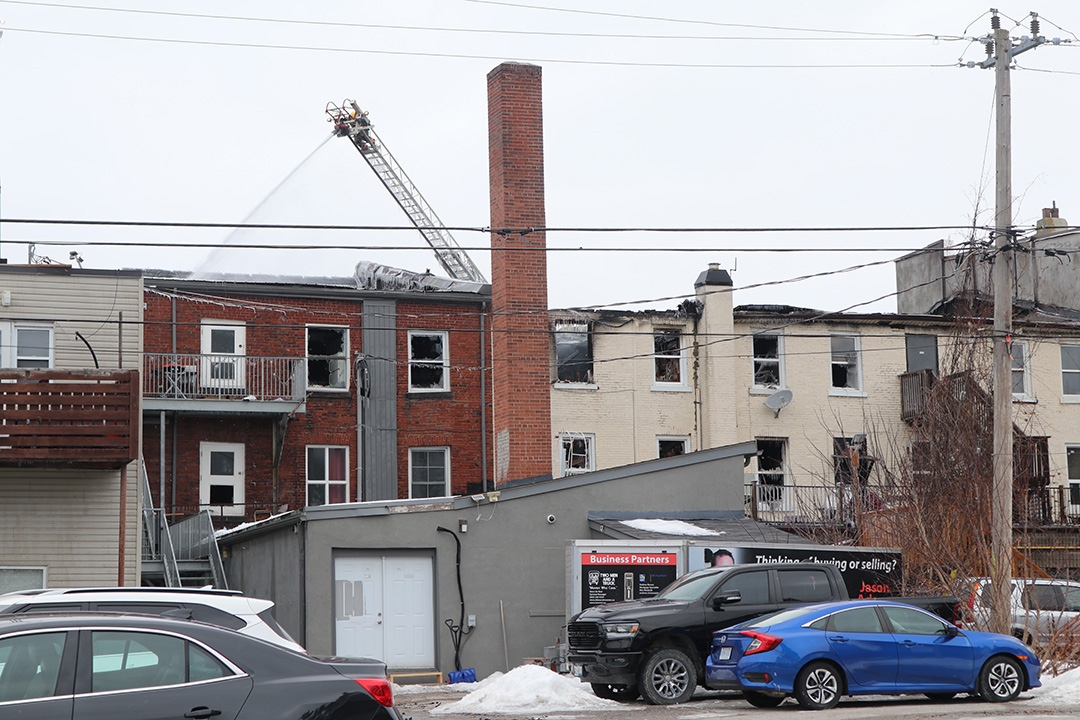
[(667, 677), (817, 686), (761, 700), (941, 695), (622, 693), (1000, 679)]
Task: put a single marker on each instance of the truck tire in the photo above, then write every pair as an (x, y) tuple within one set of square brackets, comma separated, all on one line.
[(1001, 679), (622, 693), (667, 677), (818, 686)]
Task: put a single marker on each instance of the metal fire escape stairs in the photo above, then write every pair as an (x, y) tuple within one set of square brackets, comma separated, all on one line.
[(351, 122)]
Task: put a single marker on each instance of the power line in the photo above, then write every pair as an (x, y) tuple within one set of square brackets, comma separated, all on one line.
[(484, 31), (491, 58)]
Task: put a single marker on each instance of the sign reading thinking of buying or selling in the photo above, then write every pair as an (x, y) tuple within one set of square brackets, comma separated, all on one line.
[(867, 572)]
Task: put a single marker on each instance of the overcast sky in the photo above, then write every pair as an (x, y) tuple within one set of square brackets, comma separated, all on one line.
[(709, 114)]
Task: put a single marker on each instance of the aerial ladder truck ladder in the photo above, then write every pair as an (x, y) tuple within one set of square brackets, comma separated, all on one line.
[(351, 122)]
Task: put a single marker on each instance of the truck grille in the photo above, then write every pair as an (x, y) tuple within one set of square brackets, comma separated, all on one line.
[(583, 635)]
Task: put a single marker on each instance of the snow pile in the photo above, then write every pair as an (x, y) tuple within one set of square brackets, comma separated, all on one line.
[(1061, 690), (531, 689), (670, 527)]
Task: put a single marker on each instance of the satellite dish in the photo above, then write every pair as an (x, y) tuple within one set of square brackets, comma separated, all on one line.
[(778, 400)]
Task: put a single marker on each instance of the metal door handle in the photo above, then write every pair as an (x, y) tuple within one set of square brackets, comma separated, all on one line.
[(200, 713)]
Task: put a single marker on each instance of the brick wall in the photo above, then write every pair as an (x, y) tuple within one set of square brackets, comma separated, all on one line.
[(276, 327), (520, 340)]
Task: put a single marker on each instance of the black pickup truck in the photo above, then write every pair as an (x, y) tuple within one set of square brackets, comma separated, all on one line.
[(656, 648)]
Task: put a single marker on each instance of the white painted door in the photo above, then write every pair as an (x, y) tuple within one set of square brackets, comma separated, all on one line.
[(223, 353), (384, 608), (221, 477)]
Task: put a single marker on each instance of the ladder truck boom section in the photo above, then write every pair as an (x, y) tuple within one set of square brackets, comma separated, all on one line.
[(351, 122)]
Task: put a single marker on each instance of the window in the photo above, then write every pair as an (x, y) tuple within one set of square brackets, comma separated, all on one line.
[(805, 586), (1070, 369), (429, 472), (25, 346), (856, 620), (667, 357), (851, 462), (429, 362), (908, 621), (1021, 375), (573, 353), (30, 666), (327, 475), (578, 453), (846, 374), (752, 586), (768, 369), (130, 660), (770, 470), (1072, 465), (671, 446), (21, 578), (328, 357)]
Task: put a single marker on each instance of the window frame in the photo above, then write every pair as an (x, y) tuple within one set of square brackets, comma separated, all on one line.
[(445, 449), (856, 390), (755, 386), (43, 569), (1072, 478), (343, 357), (570, 327), (444, 362), (1070, 372), (10, 356), (767, 493), (684, 439), (680, 358), (568, 437), (326, 483), (86, 657), (1026, 395)]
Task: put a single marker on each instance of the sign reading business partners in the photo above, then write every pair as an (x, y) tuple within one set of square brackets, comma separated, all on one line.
[(620, 576), (867, 573)]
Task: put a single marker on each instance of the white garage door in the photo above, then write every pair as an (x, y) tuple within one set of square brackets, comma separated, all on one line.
[(384, 608)]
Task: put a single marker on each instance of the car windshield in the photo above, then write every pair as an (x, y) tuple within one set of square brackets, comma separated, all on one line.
[(690, 587), (779, 617)]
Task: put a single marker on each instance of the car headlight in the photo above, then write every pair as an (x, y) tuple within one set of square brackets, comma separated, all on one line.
[(620, 629)]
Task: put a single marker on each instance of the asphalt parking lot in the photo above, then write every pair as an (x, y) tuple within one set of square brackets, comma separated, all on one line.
[(421, 703)]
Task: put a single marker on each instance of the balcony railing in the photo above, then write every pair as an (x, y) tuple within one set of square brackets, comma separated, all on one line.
[(913, 389), (75, 418), (839, 505), (176, 376)]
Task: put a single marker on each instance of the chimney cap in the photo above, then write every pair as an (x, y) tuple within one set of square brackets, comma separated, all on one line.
[(714, 276)]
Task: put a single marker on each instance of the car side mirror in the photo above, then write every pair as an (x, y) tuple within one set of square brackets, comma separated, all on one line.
[(725, 598), (951, 631)]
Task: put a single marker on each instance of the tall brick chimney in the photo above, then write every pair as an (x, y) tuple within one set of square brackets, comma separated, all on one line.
[(521, 379)]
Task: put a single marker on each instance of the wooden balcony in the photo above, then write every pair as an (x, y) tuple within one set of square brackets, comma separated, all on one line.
[(69, 418)]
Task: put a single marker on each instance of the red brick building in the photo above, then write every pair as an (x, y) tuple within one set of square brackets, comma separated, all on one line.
[(262, 394)]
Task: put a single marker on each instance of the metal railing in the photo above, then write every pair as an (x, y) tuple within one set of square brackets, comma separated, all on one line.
[(178, 376), (157, 545), (193, 537), (225, 514)]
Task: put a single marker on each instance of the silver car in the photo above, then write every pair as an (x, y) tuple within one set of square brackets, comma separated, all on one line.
[(1040, 608)]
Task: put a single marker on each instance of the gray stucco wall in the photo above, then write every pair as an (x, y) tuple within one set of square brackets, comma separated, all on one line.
[(510, 552)]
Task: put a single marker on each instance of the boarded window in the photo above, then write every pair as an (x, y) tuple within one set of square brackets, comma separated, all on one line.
[(573, 353), (667, 352), (428, 362), (327, 357)]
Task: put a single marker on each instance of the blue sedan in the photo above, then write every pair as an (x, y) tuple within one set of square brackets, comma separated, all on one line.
[(819, 653)]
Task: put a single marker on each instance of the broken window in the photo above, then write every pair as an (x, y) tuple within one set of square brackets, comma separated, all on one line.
[(767, 368), (429, 362), (327, 475), (845, 362), (573, 353), (670, 447), (429, 472), (328, 357), (770, 470), (578, 453), (667, 356), (851, 462)]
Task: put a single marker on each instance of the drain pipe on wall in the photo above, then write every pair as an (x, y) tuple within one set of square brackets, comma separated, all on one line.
[(362, 393)]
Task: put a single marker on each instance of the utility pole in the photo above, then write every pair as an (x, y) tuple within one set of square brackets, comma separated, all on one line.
[(1000, 52)]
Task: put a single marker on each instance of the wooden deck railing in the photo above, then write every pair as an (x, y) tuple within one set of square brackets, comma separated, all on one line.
[(76, 418)]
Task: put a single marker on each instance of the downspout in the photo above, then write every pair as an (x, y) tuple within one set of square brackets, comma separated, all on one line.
[(483, 402), (362, 392), (697, 388), (175, 431)]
